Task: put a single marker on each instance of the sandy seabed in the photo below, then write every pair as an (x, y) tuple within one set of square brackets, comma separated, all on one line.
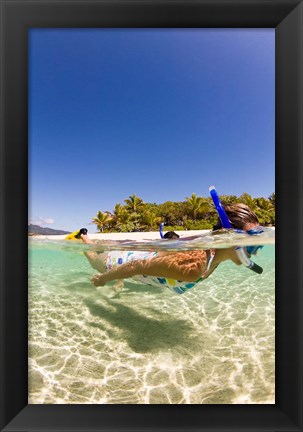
[(213, 345)]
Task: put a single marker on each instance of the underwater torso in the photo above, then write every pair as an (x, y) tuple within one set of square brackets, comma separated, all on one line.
[(115, 258)]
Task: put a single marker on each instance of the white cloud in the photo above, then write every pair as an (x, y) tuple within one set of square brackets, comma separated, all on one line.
[(42, 221), (49, 221)]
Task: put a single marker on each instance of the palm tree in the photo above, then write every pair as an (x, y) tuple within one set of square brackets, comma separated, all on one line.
[(228, 199), (134, 203), (102, 219), (172, 213), (245, 198), (151, 220), (265, 211), (197, 205), (272, 198), (265, 204), (121, 215)]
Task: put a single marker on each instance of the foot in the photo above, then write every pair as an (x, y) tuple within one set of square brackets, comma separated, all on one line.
[(98, 280), (119, 285)]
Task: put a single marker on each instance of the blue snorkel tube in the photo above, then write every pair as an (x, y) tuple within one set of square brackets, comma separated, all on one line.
[(226, 224), (161, 230)]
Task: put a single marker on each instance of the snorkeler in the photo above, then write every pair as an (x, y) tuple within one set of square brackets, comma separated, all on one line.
[(76, 235), (169, 234), (181, 270), (172, 235)]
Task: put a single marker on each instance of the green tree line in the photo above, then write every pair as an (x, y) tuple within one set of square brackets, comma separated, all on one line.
[(194, 213)]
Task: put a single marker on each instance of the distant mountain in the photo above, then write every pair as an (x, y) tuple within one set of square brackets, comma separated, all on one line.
[(36, 229)]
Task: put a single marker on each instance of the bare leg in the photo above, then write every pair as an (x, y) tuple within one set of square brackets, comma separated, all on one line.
[(185, 266), (97, 261)]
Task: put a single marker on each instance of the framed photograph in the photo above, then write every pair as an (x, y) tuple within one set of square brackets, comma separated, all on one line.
[(72, 361)]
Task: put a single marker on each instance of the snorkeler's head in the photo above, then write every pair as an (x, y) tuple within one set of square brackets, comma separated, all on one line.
[(171, 235), (240, 216), (81, 231)]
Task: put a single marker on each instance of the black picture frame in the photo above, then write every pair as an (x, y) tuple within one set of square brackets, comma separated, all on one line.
[(17, 17)]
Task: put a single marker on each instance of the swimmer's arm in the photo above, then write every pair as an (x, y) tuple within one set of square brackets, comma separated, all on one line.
[(185, 266), (86, 239)]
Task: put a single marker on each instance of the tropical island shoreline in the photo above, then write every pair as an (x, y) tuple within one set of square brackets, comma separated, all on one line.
[(147, 235)]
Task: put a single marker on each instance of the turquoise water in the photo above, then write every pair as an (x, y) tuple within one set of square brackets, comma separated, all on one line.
[(146, 345)]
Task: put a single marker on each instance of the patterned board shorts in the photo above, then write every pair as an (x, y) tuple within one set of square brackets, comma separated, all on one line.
[(115, 258)]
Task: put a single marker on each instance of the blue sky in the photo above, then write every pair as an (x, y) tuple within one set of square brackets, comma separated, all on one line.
[(160, 113)]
